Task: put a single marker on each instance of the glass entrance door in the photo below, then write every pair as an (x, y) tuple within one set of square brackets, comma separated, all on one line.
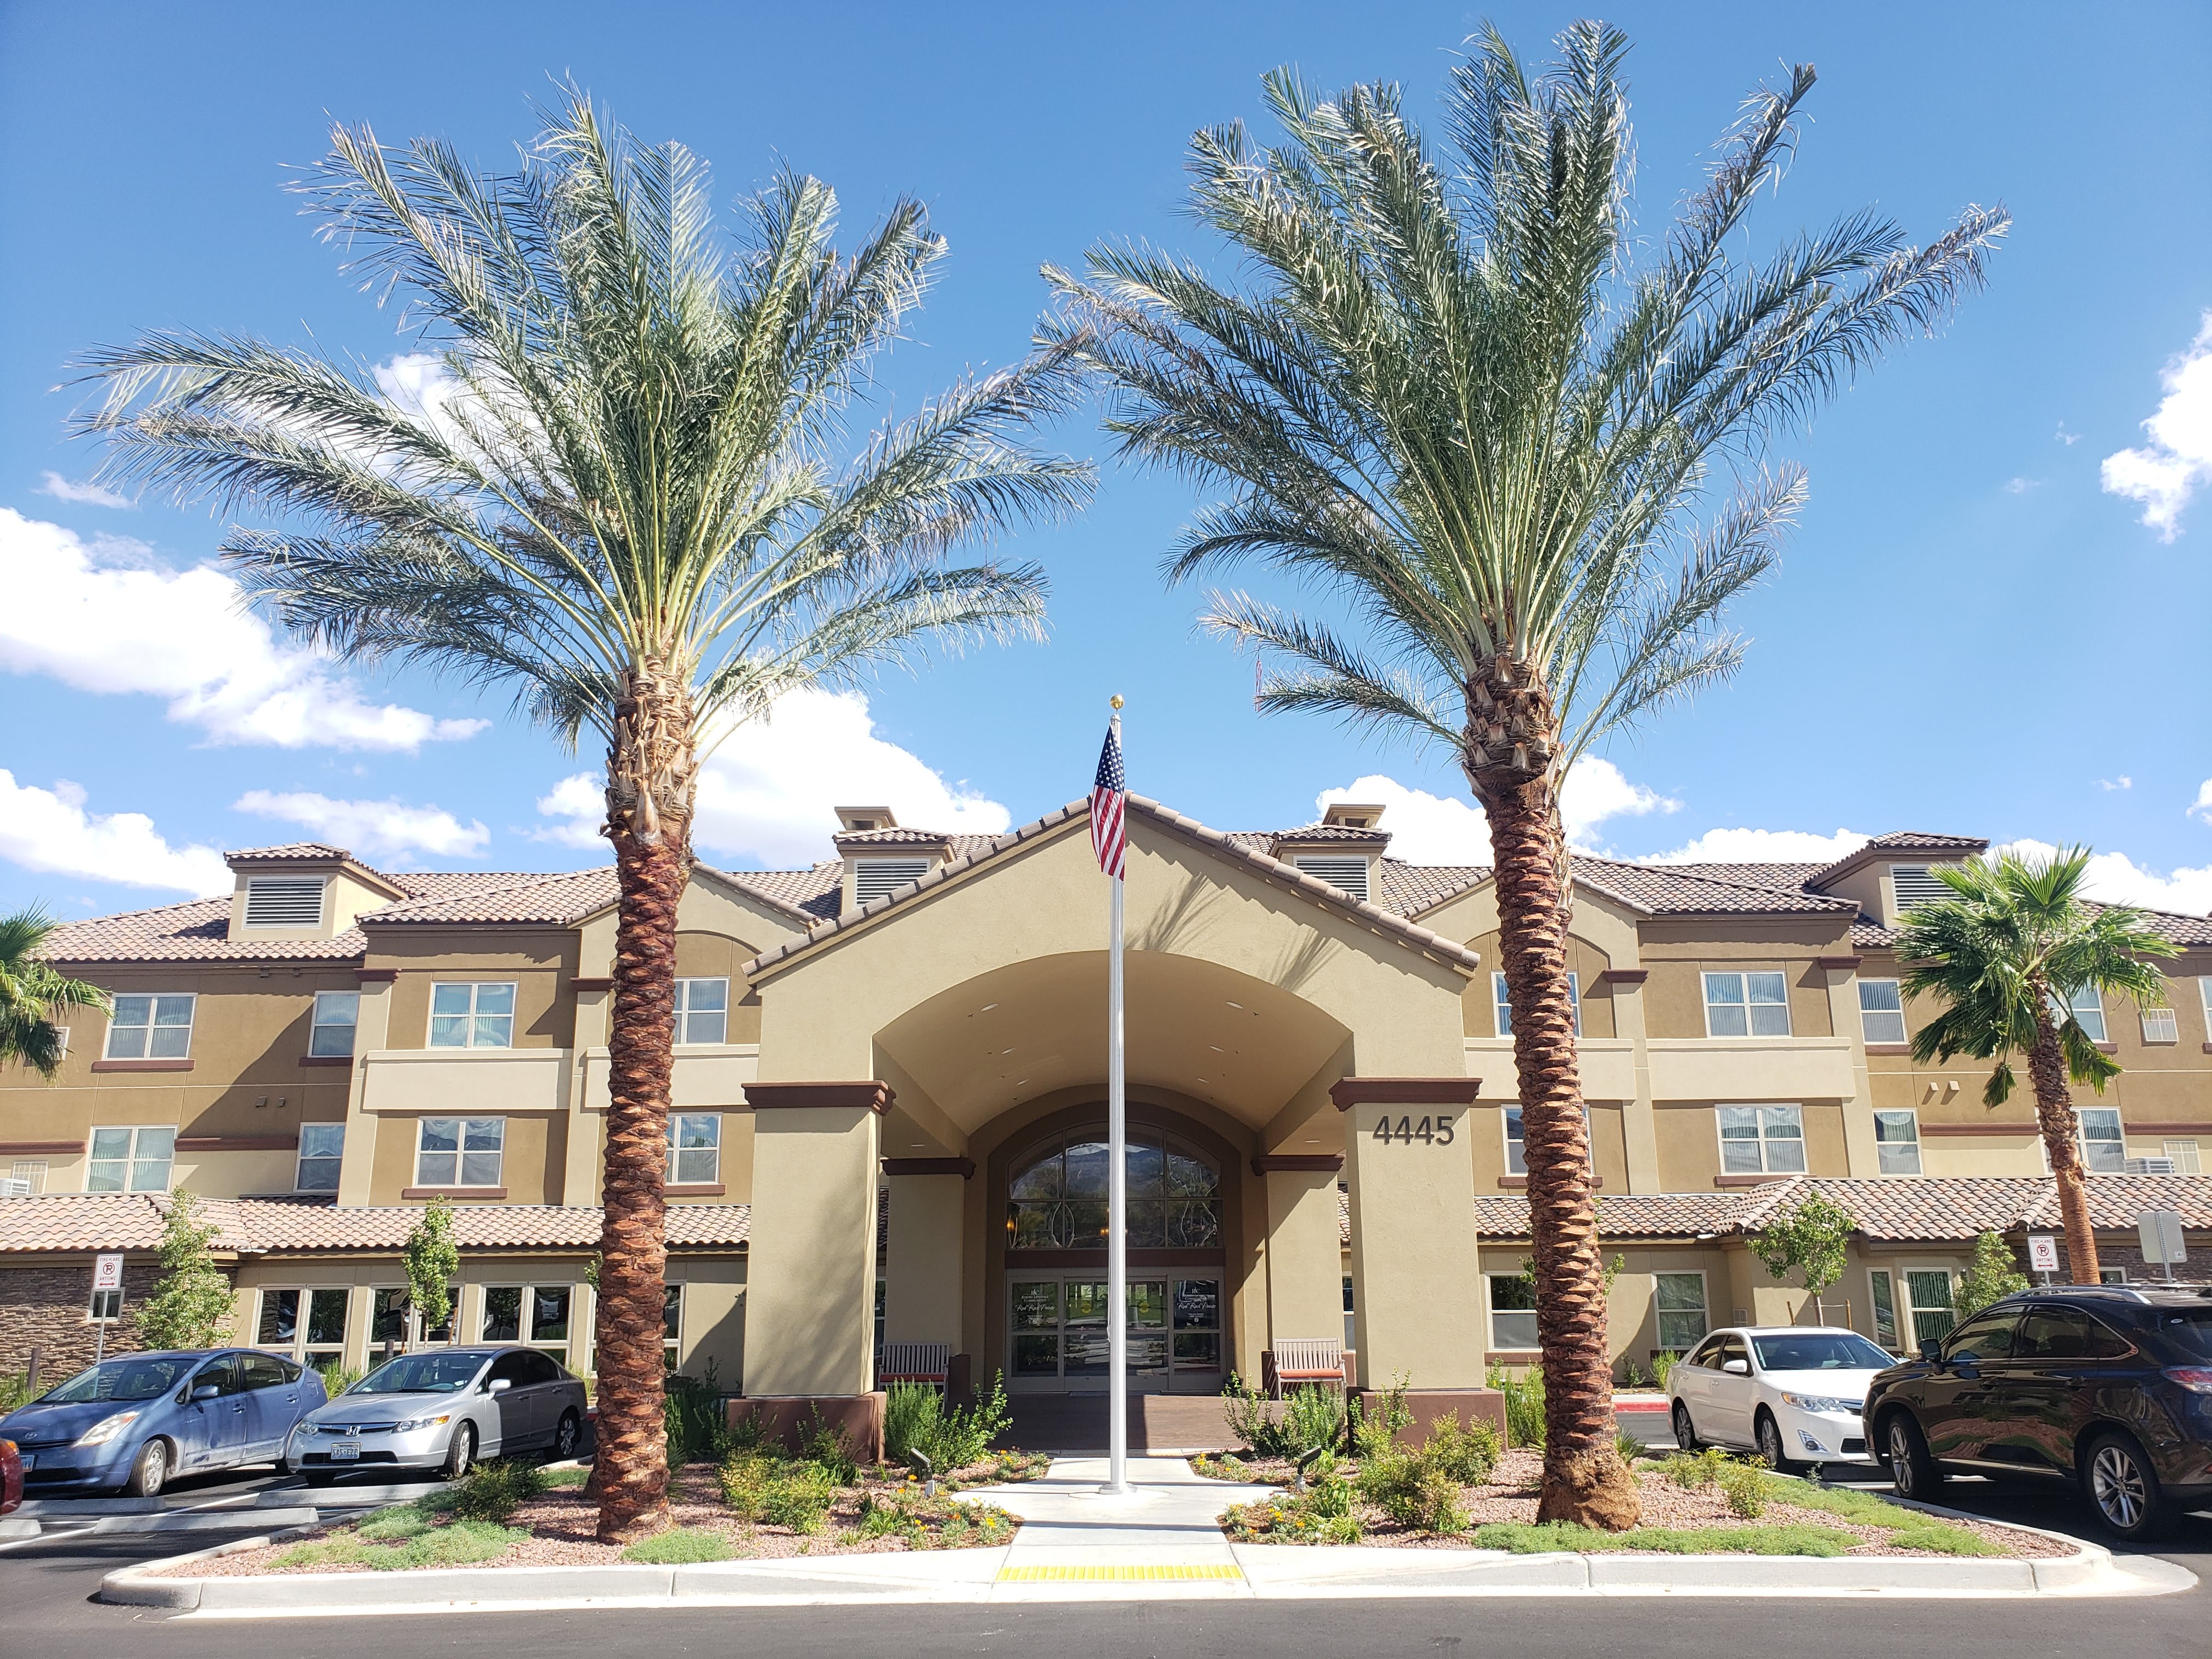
[(1058, 1339)]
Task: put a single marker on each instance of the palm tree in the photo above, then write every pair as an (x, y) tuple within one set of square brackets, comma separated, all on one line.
[(33, 996), (2007, 956), (1451, 398), (622, 499)]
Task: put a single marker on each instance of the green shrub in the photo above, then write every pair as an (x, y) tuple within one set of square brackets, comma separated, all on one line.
[(1909, 1528), (690, 1416), (1289, 1520), (1312, 1416), (491, 1492), (1524, 1538), (679, 1546), (827, 1449), (1629, 1447), (1524, 1409), (1466, 1452), (338, 1378), (396, 1548), (745, 1479), (1662, 1367), (1748, 1488), (1223, 1466), (14, 1392), (911, 1412), (1375, 1421), (1693, 1470), (1251, 1417), (959, 1439), (798, 1496), (554, 1477), (395, 1526)]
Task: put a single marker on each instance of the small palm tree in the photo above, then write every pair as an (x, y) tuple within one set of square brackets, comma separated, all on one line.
[(33, 997), (1452, 399), (625, 501), (2007, 956)]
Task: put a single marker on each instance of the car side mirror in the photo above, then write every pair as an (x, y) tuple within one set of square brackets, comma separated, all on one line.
[(1932, 1353), (498, 1385), (1736, 1367), (206, 1391)]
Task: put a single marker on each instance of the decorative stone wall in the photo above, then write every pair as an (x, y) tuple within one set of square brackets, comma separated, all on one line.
[(44, 1308)]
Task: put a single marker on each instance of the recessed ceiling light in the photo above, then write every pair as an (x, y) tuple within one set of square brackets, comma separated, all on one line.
[(1238, 1006), (1217, 1048)]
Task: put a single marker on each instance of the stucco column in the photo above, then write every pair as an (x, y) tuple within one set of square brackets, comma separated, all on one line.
[(1414, 1266), (1862, 1157), (810, 1292), (1639, 1122), (922, 1266), (372, 1030), (587, 1106), (1305, 1253)]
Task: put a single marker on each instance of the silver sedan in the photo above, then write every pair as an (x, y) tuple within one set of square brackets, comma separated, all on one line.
[(442, 1409)]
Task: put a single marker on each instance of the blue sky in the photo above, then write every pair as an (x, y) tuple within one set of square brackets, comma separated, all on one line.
[(1970, 632)]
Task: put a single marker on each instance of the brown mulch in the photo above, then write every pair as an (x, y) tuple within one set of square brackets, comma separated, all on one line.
[(563, 1524), (1511, 1491)]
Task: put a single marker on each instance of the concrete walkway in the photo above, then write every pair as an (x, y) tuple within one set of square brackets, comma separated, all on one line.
[(1163, 1531)]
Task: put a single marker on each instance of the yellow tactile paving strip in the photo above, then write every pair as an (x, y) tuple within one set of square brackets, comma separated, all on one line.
[(1106, 1575)]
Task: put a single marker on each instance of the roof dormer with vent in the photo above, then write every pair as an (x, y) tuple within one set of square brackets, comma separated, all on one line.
[(301, 890), (1345, 850), (1892, 874), (881, 857)]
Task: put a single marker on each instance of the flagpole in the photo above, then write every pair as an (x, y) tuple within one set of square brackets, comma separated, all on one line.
[(1117, 1199)]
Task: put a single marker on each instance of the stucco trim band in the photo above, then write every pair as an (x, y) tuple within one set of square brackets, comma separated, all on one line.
[(1286, 1162), (1404, 1092), (963, 1167), (876, 1096)]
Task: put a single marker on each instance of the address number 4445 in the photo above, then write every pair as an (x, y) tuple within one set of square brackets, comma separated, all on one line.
[(1430, 1131)]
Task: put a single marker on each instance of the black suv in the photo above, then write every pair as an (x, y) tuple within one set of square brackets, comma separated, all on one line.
[(2109, 1386)]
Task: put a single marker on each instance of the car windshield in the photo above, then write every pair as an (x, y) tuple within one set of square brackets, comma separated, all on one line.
[(1820, 1350), (422, 1373), (2189, 1329), (122, 1379)]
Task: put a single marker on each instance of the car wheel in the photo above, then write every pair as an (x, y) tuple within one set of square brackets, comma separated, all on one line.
[(1912, 1472), (460, 1451), (2124, 1489), (150, 1472), (565, 1437), (1769, 1433), (1686, 1432)]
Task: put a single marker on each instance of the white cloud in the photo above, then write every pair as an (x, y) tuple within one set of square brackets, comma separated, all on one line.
[(2202, 806), (767, 794), (1427, 828), (85, 494), (1764, 846), (2116, 879), (106, 616), (2069, 439), (388, 828), (49, 830), (2123, 781), (2021, 486), (2164, 473)]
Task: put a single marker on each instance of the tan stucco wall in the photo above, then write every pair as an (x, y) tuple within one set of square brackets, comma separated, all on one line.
[(811, 1298), (1412, 1232)]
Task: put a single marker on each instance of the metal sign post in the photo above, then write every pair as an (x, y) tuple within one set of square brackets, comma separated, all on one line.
[(2043, 1254), (2162, 1242), (106, 1276)]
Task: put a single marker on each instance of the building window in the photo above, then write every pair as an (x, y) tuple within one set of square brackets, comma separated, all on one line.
[(472, 1015), (875, 879), (694, 1149), (541, 1310), (1059, 1201), (1347, 876), (1681, 1301), (1930, 1295), (1916, 884), (2205, 991), (1762, 1139), (2103, 1148), (2184, 1155), (1897, 1142), (1516, 1150), (2111, 1275), (1885, 1307), (672, 1325), (703, 1010), (307, 1324), (1504, 1008), (104, 1308), (151, 1027), (131, 1160), (336, 1013), (2088, 1010), (322, 1148), (1881, 1010), (2160, 1025), (32, 1172), (1351, 1341), (460, 1152), (1746, 1004), (284, 902), (1512, 1310)]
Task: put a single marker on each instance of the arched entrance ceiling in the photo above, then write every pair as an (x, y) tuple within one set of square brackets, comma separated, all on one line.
[(1034, 1027)]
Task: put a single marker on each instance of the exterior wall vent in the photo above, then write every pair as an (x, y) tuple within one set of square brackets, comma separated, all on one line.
[(284, 902), (1346, 875), (2152, 1166), (1917, 884), (874, 877)]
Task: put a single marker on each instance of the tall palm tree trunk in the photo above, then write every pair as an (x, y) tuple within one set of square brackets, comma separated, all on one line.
[(650, 771), (2062, 1139), (1584, 1479)]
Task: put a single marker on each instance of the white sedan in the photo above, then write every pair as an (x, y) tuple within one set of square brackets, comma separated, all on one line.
[(1792, 1393)]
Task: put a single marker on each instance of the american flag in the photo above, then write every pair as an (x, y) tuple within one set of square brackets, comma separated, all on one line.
[(1109, 800)]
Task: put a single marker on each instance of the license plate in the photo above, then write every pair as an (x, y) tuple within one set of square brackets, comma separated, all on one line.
[(29, 1462), (344, 1451)]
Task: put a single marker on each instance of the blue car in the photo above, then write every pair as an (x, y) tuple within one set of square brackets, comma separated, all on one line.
[(132, 1425)]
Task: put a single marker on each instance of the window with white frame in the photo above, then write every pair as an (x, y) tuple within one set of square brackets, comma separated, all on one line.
[(1504, 1007), (1517, 1145), (330, 1035), (1762, 1139), (472, 1015), (31, 1171), (2087, 1009), (2204, 992), (2160, 1025), (535, 1314), (2104, 1147), (1897, 1142), (1679, 1302), (1927, 1296), (322, 1149), (695, 1148), (134, 1160), (1347, 875), (1512, 1310), (460, 1152), (307, 1324), (702, 1011), (284, 900), (672, 1326), (158, 1027), (1885, 1307), (1881, 1010), (2186, 1157), (1746, 1004), (104, 1308)]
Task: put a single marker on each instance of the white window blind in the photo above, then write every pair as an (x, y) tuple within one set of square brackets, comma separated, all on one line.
[(1916, 884), (284, 902), (1881, 1010), (872, 878), (2160, 1025), (1346, 875)]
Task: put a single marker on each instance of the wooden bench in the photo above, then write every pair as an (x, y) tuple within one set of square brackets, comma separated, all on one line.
[(1296, 1360), (915, 1361)]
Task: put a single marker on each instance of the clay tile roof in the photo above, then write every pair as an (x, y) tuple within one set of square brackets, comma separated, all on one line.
[(1898, 841), (302, 850), (1625, 1215), (891, 837), (1335, 832), (2115, 1200), (1666, 890), (1409, 889), (1952, 1208), (567, 897), (817, 894)]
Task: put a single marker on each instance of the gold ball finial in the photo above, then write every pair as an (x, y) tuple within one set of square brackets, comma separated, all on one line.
[(1115, 700)]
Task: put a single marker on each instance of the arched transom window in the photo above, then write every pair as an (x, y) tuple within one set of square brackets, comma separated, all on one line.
[(1058, 1200)]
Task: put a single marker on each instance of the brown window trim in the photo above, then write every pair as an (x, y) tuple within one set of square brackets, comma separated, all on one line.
[(238, 1143), (1889, 1048), (27, 1148), (141, 1066), (326, 1059), (589, 983), (2108, 1048), (1514, 1183), (695, 1189), (452, 1192)]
